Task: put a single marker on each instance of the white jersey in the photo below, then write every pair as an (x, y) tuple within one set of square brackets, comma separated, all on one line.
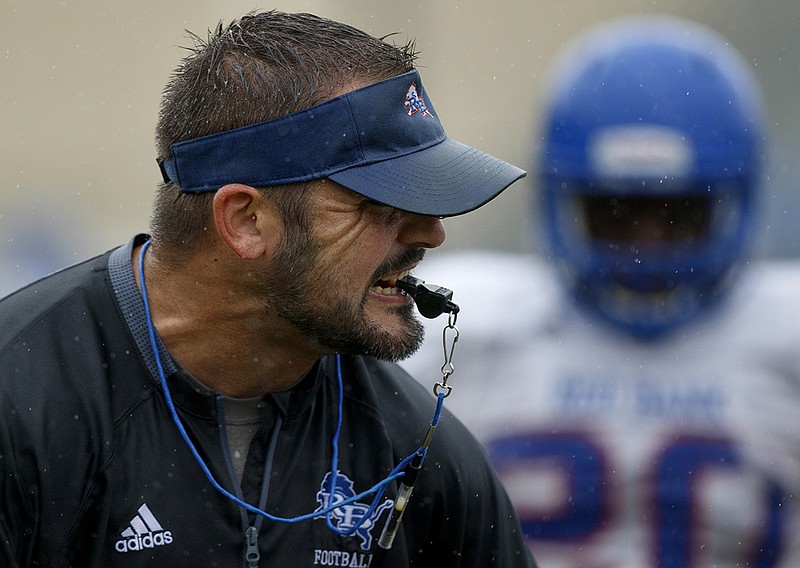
[(681, 453)]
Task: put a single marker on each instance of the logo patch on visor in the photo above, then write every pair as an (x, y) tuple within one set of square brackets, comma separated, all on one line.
[(415, 103)]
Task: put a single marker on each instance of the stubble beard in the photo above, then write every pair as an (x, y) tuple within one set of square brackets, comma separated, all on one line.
[(297, 292)]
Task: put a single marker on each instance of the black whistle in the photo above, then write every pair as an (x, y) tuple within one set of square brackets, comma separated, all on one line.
[(432, 301)]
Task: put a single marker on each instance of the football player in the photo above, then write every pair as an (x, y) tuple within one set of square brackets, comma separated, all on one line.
[(650, 420)]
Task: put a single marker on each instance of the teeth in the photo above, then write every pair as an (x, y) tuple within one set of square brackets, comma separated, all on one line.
[(390, 279)]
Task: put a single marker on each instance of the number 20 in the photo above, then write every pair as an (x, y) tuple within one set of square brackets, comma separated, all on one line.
[(671, 494)]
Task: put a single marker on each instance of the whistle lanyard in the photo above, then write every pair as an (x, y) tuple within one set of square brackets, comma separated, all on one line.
[(408, 468)]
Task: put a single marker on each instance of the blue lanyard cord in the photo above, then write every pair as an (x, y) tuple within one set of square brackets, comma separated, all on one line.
[(438, 412), (379, 488)]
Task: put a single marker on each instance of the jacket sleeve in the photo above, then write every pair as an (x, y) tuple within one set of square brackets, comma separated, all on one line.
[(8, 555), (480, 527), (16, 525), (493, 536)]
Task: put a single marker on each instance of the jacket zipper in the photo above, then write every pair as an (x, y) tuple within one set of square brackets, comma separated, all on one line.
[(251, 554), (251, 532)]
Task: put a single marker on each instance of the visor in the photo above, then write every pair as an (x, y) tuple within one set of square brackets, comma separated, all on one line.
[(383, 141)]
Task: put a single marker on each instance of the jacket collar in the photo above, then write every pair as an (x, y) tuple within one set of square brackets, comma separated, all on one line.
[(188, 393)]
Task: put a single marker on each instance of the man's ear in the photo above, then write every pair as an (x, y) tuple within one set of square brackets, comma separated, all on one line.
[(249, 224)]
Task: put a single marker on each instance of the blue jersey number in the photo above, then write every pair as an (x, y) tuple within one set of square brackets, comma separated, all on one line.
[(586, 476)]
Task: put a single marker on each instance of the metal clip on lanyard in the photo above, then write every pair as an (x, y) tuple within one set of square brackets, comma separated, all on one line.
[(448, 368), (431, 301)]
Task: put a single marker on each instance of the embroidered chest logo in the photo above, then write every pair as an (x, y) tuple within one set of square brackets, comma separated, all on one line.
[(144, 532), (415, 103), (346, 516)]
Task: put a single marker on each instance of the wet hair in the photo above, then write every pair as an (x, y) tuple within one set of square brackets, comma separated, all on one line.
[(259, 67)]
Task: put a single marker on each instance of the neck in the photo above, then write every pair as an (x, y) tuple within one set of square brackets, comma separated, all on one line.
[(224, 339)]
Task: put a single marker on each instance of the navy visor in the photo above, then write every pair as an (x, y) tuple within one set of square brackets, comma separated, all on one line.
[(383, 141)]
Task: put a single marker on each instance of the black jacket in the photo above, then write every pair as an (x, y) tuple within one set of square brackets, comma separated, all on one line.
[(95, 473)]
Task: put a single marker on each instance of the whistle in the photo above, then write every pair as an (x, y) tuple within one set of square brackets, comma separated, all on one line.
[(432, 300)]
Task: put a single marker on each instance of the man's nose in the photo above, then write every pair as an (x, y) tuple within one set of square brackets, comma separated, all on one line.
[(421, 231)]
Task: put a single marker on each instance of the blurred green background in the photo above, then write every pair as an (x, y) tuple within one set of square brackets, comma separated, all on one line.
[(81, 82)]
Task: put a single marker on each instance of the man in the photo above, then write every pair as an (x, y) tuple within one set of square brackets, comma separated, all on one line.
[(219, 393), (649, 421)]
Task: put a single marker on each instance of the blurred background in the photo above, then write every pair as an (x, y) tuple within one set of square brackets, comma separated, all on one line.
[(81, 83)]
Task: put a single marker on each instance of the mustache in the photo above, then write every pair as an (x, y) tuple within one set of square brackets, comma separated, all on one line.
[(410, 255)]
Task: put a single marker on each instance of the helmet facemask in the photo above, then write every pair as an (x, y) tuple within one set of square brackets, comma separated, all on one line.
[(647, 262)]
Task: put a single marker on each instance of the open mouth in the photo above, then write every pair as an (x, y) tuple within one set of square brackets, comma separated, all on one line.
[(388, 284)]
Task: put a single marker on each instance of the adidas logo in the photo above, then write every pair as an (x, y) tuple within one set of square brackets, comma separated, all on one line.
[(145, 532)]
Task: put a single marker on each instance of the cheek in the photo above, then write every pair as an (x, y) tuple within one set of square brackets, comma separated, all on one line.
[(353, 266), (353, 247), (359, 243), (340, 262)]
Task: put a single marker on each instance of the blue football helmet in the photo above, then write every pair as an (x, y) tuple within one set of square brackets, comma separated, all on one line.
[(651, 154)]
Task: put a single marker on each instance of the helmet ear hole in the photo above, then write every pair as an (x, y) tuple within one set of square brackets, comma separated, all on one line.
[(651, 156)]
